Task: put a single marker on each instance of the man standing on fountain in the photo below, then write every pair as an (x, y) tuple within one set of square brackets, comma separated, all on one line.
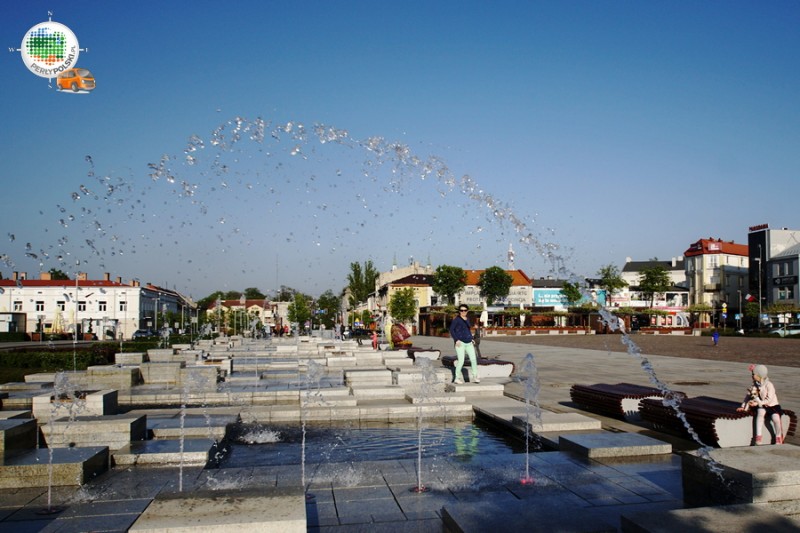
[(462, 336)]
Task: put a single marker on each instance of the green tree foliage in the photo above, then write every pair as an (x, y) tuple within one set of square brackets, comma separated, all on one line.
[(299, 311), (57, 274), (654, 281), (285, 294), (572, 293), (610, 280), (252, 293), (329, 304), (403, 305), (449, 281), (361, 282), (495, 284), (207, 302)]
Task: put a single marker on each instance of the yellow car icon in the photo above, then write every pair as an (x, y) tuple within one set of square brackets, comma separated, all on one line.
[(76, 79)]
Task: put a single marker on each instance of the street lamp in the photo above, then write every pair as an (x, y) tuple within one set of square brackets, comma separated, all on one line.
[(242, 302), (739, 321), (759, 284)]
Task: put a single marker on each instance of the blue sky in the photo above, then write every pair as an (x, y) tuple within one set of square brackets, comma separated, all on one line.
[(602, 129)]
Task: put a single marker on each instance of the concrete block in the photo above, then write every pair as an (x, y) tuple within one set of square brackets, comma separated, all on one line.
[(112, 377), (279, 511), (608, 444), (751, 474), (89, 403), (129, 358), (17, 436), (112, 431), (70, 467), (745, 517), (198, 378), (194, 452), (161, 373), (557, 422)]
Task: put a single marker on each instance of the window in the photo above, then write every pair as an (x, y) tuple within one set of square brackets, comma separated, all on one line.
[(102, 306), (123, 306), (39, 305), (17, 306), (786, 293), (81, 305), (713, 261), (61, 305)]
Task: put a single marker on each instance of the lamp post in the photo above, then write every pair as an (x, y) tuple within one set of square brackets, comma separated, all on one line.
[(124, 304), (759, 284), (739, 321), (242, 302), (75, 336)]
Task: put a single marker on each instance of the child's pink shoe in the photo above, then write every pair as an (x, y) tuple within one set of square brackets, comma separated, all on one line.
[(758, 440), (778, 439)]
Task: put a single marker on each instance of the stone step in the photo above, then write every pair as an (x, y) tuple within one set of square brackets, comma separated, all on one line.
[(385, 392), (435, 399), (70, 467), (415, 375), (111, 431), (743, 517), (344, 361), (196, 452), (243, 510), (607, 444), (398, 362), (212, 427), (17, 436), (484, 388)]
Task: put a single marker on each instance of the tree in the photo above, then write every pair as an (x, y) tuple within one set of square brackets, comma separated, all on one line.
[(285, 294), (205, 303), (449, 281), (572, 293), (328, 303), (252, 293), (298, 311), (610, 280), (361, 282), (57, 274), (654, 281), (403, 305), (495, 283)]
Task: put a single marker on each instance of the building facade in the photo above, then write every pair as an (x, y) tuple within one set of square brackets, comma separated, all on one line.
[(774, 255), (102, 307), (717, 273)]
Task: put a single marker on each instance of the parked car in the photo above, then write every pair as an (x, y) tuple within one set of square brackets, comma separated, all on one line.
[(785, 331), (143, 334)]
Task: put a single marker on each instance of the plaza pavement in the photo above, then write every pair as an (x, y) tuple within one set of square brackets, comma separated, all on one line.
[(571, 494)]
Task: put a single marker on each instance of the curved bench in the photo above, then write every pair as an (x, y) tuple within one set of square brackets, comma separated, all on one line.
[(620, 401), (715, 421), (487, 368)]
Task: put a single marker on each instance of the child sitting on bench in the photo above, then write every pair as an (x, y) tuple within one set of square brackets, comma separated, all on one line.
[(762, 396)]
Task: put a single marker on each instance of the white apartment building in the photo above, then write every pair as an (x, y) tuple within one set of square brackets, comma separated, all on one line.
[(717, 273), (103, 306)]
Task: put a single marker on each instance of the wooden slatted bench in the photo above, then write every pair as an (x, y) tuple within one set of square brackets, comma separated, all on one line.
[(619, 401), (487, 368), (716, 421)]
